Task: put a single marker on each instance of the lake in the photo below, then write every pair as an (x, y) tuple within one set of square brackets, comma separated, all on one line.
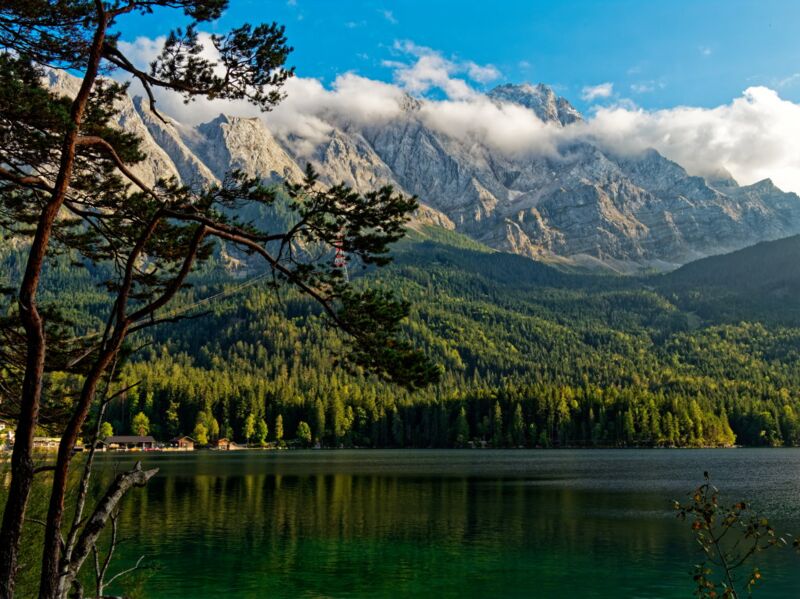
[(559, 523)]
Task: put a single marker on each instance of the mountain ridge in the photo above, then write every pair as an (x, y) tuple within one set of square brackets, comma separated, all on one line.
[(585, 206)]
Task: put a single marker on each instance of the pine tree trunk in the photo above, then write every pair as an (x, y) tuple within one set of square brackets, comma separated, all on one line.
[(49, 586), (22, 462), (21, 458)]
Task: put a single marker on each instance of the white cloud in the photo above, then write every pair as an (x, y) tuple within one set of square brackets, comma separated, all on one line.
[(508, 128), (389, 16), (646, 87), (602, 90), (482, 73), (432, 70), (789, 80), (755, 136)]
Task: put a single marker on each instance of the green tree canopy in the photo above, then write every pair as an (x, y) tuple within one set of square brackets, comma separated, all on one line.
[(304, 433), (140, 425), (200, 434), (106, 430)]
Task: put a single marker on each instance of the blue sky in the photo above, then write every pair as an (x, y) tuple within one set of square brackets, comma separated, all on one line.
[(711, 84), (657, 53)]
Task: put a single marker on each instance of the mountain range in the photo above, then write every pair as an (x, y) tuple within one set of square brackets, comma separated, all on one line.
[(531, 354), (585, 205)]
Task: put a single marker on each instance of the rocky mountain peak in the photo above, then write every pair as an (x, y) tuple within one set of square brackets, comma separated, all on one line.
[(587, 205), (540, 98), (243, 143), (410, 104)]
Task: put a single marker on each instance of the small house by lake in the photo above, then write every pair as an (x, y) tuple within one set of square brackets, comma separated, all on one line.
[(129, 443), (46, 443), (6, 434), (182, 443), (224, 444)]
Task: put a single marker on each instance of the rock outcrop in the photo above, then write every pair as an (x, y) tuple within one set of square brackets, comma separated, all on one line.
[(585, 205)]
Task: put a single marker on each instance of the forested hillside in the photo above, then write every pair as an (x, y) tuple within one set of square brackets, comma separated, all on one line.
[(761, 282), (531, 356)]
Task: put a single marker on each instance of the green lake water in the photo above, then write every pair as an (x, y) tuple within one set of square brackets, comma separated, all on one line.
[(591, 523)]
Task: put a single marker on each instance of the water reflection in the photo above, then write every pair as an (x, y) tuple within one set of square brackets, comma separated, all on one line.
[(343, 525)]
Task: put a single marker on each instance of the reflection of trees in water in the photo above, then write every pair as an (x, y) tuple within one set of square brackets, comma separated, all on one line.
[(254, 524), (254, 510)]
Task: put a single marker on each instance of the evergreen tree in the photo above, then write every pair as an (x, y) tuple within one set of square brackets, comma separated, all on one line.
[(398, 432), (249, 427), (518, 427), (497, 426), (140, 424), (319, 421), (462, 427), (262, 433)]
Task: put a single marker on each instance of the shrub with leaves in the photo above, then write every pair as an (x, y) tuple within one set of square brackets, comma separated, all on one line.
[(729, 537)]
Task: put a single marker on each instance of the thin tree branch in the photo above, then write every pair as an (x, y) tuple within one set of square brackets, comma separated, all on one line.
[(95, 140)]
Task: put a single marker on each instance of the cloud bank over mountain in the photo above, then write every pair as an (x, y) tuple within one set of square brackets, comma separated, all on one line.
[(755, 136)]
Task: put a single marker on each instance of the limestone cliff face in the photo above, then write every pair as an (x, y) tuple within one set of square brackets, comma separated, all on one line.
[(157, 163), (190, 169), (539, 98), (237, 143), (585, 205)]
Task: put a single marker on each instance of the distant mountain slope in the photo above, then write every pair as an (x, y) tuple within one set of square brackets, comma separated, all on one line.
[(543, 356), (760, 282), (585, 206)]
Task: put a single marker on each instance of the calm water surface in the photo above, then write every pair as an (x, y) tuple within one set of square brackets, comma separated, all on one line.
[(440, 523)]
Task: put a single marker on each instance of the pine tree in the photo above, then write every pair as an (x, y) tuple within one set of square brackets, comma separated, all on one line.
[(462, 427), (497, 426), (262, 433), (518, 427), (66, 186), (398, 431), (319, 422), (140, 424), (249, 427)]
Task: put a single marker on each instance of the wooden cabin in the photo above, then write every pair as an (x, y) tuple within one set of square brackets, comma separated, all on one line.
[(46, 443), (223, 444), (182, 443), (129, 443)]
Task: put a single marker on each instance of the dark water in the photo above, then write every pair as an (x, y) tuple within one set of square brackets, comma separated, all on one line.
[(440, 523)]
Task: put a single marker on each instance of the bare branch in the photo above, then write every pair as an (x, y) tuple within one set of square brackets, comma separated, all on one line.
[(105, 508), (177, 281), (94, 140), (124, 572)]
